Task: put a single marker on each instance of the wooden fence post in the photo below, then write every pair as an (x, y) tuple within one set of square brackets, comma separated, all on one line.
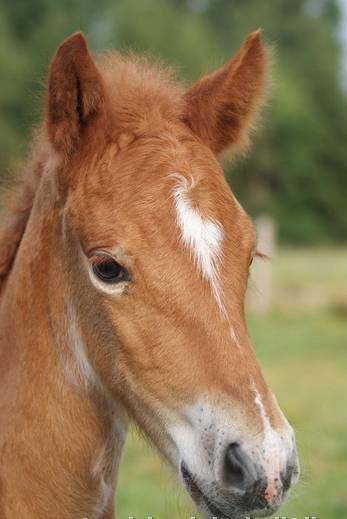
[(260, 286)]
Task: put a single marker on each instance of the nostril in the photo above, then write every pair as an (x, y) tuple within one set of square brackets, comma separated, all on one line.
[(233, 471), (239, 472)]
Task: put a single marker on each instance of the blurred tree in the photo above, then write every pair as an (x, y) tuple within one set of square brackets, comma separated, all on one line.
[(297, 168)]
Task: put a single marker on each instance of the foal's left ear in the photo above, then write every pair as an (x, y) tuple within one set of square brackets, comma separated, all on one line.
[(75, 94), (220, 108)]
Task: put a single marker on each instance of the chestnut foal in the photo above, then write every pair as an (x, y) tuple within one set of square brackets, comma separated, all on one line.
[(124, 260)]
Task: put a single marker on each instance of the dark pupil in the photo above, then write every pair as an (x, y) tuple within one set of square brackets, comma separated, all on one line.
[(108, 270)]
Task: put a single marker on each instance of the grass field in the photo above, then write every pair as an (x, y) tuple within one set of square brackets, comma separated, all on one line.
[(302, 346)]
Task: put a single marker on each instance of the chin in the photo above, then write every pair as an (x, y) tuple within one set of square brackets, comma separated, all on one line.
[(211, 506)]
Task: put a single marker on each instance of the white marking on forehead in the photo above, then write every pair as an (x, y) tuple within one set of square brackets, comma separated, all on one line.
[(203, 236)]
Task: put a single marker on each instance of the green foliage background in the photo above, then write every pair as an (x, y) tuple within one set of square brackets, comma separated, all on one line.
[(298, 164)]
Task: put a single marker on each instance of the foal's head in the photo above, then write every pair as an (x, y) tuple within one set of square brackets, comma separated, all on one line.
[(156, 252)]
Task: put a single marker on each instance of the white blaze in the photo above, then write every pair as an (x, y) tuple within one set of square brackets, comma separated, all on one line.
[(203, 236)]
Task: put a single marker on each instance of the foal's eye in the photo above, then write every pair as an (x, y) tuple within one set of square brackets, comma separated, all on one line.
[(108, 270)]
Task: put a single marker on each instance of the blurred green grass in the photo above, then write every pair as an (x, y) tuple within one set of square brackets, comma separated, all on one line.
[(302, 346)]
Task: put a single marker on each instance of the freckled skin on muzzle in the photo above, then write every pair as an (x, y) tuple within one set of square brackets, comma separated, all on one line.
[(228, 479), (243, 492)]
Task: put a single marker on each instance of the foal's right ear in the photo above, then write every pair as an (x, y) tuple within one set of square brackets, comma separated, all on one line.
[(75, 94)]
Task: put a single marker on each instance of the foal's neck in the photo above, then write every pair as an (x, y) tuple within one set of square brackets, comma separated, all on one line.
[(60, 439)]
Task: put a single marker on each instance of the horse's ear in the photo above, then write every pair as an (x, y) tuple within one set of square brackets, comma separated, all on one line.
[(221, 107), (75, 94)]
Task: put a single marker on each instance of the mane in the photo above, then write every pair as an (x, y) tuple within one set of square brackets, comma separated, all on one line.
[(17, 200), (139, 91)]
